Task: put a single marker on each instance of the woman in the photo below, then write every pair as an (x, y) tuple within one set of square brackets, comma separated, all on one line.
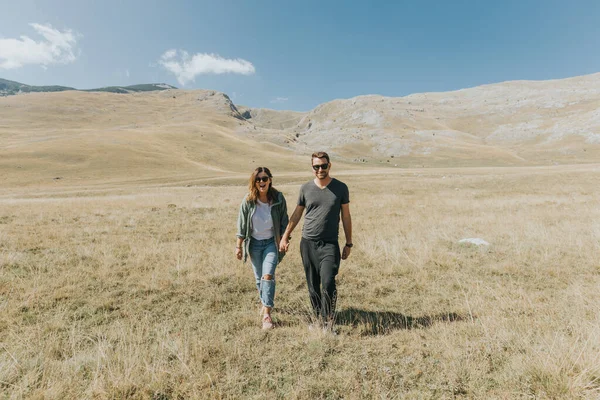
[(261, 221)]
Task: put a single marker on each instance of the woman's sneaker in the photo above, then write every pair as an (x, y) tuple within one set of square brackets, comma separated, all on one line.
[(267, 322)]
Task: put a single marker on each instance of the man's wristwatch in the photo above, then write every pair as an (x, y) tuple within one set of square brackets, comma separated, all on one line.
[(349, 245)]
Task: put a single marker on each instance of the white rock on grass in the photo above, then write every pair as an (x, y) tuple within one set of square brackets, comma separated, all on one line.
[(475, 241)]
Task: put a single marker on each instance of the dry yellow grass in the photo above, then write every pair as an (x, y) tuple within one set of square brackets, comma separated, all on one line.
[(134, 292)]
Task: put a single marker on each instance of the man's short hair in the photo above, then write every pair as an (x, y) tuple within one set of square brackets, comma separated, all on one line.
[(320, 154)]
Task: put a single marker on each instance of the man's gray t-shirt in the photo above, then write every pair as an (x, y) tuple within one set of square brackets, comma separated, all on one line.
[(323, 206)]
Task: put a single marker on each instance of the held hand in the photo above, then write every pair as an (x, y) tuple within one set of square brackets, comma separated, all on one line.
[(238, 253), (284, 244), (346, 252)]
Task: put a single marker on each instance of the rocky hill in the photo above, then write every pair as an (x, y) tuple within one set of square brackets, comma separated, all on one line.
[(520, 122)]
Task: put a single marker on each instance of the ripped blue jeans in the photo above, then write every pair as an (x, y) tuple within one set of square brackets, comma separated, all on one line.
[(264, 257)]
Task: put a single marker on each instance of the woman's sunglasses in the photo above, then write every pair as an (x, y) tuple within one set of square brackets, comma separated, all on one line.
[(263, 178), (322, 166)]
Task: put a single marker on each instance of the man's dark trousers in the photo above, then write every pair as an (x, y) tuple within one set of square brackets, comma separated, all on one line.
[(321, 262)]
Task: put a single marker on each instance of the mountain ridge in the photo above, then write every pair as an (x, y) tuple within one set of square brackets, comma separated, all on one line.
[(10, 88)]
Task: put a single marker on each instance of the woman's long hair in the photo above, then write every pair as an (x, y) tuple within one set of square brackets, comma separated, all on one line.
[(253, 194)]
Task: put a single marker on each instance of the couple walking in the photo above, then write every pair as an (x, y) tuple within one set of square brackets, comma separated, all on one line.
[(264, 233)]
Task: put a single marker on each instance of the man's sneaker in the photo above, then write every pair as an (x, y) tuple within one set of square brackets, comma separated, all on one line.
[(328, 328), (267, 322)]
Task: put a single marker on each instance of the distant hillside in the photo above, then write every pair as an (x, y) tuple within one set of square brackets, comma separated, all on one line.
[(76, 137), (147, 87), (9, 88)]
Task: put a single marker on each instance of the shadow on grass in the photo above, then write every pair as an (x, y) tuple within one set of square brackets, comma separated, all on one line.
[(383, 322)]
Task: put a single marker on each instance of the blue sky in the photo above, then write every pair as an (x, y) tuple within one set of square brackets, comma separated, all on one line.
[(296, 55)]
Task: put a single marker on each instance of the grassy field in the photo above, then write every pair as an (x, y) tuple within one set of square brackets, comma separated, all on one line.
[(136, 293)]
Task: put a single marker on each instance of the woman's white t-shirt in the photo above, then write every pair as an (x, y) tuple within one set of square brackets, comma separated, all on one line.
[(262, 223)]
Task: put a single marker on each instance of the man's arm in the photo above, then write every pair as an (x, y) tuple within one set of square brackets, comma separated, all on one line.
[(347, 224), (294, 219)]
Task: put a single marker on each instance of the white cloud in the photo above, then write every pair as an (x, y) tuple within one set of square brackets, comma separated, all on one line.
[(56, 47), (127, 73), (186, 67), (279, 100), (170, 54)]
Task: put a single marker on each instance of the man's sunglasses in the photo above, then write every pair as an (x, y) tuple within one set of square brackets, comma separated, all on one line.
[(263, 178), (322, 166)]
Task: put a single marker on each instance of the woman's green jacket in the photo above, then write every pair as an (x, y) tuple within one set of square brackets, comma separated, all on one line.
[(278, 214)]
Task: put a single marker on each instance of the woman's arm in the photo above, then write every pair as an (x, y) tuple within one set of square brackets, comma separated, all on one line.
[(242, 220), (238, 248), (241, 229)]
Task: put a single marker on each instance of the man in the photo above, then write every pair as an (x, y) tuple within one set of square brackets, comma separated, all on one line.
[(325, 199)]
